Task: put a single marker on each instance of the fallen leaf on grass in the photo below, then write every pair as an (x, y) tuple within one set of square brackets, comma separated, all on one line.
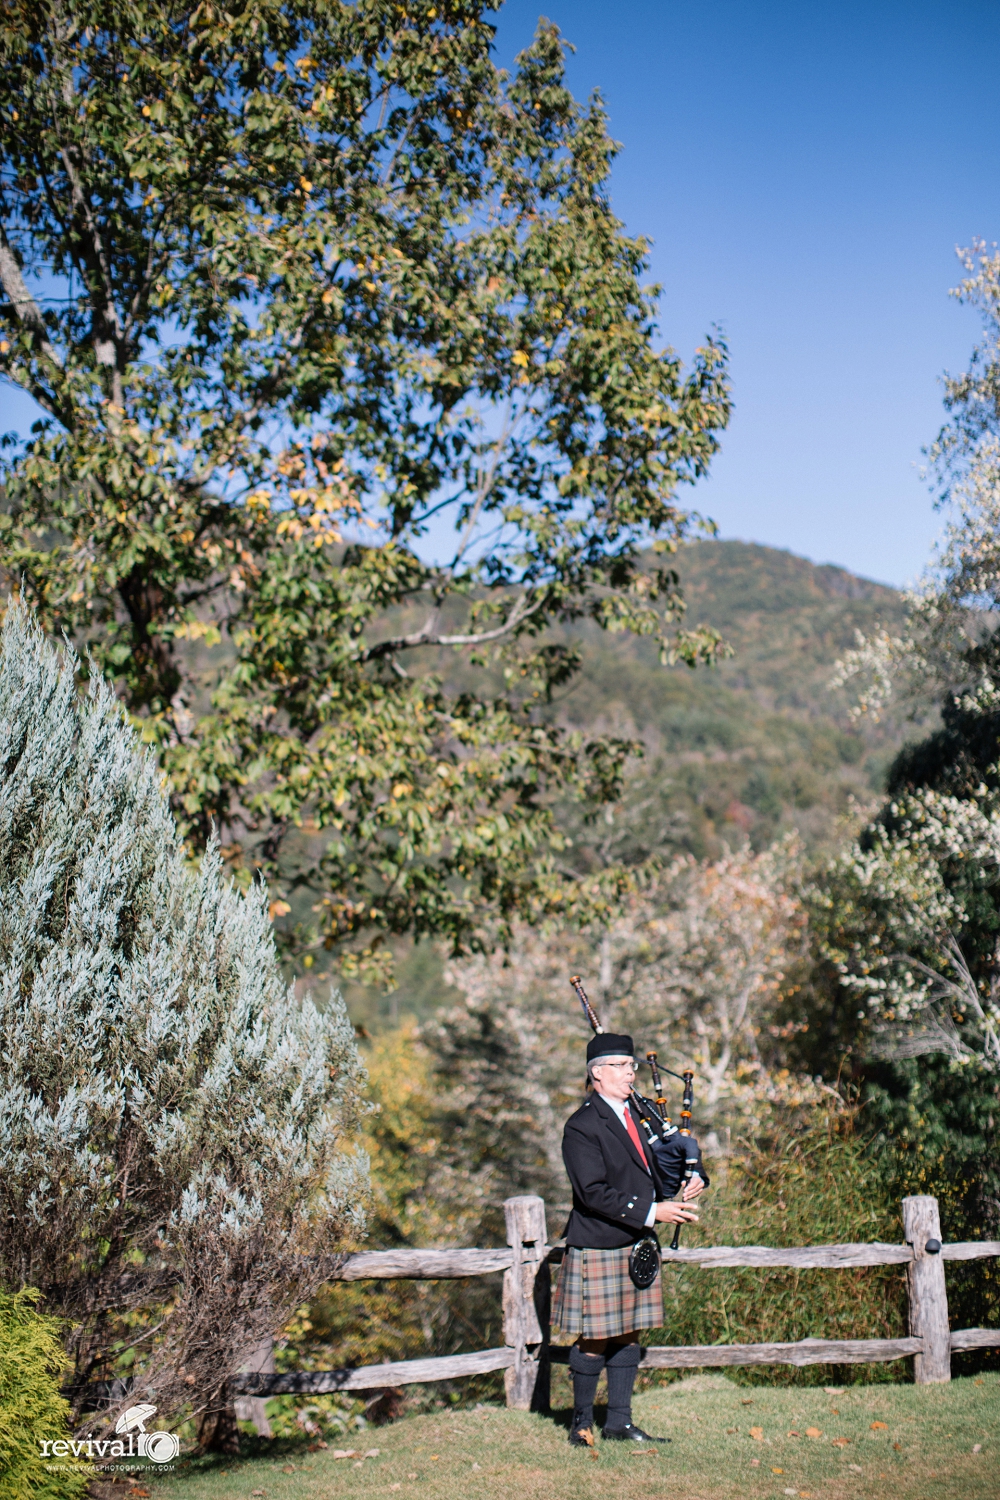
[(371, 1453), (411, 1476), (977, 1447), (595, 1457), (977, 1382), (793, 1433), (358, 1465), (839, 1442), (898, 1447), (857, 1468), (342, 1453), (258, 1492), (777, 1471), (288, 1469), (731, 1430), (880, 1427), (757, 1433), (395, 1486), (814, 1432), (748, 1402), (834, 1390), (435, 1457), (475, 1466), (755, 1463)]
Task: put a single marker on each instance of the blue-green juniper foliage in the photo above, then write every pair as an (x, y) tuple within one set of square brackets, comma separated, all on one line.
[(176, 1127)]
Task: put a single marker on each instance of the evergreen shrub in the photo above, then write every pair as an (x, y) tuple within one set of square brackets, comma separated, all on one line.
[(32, 1410), (177, 1127)]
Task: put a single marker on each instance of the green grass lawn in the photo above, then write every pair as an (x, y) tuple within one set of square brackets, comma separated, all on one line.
[(727, 1441)]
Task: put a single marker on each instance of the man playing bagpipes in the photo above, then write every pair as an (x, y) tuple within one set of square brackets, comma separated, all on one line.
[(609, 1282)]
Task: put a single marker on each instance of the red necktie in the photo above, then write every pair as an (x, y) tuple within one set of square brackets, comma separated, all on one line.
[(634, 1136)]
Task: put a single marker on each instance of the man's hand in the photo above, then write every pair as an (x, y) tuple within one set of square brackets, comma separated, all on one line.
[(675, 1213), (693, 1188)]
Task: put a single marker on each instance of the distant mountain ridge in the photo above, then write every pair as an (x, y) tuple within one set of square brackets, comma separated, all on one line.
[(758, 744)]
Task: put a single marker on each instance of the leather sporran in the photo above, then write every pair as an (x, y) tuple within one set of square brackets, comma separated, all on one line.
[(644, 1262)]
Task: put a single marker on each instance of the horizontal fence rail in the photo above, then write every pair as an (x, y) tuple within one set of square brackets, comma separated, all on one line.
[(373, 1377), (420, 1265), (448, 1265), (654, 1357)]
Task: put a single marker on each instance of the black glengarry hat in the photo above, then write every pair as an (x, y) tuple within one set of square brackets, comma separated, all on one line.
[(609, 1044)]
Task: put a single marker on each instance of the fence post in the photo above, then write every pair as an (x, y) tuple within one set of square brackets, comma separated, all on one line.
[(526, 1305), (254, 1408), (928, 1293)]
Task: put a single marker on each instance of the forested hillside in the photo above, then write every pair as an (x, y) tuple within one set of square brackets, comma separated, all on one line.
[(758, 744)]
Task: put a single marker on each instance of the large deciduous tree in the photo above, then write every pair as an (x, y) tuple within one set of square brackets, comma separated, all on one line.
[(345, 367)]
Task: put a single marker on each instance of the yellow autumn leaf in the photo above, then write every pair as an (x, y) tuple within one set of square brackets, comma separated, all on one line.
[(520, 358), (757, 1433), (278, 909)]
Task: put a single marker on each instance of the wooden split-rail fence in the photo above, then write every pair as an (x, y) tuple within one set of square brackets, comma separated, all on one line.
[(527, 1354)]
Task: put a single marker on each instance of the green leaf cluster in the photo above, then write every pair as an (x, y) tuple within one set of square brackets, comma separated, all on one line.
[(347, 362)]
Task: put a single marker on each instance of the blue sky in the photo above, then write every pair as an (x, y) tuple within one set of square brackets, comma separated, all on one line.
[(805, 171)]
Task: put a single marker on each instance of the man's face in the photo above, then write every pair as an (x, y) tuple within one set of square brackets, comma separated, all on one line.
[(614, 1076)]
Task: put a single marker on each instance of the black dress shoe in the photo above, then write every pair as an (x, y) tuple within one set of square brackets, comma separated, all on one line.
[(630, 1433), (582, 1437)]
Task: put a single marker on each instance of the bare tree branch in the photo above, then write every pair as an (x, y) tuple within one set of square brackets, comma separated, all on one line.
[(29, 315), (427, 636)]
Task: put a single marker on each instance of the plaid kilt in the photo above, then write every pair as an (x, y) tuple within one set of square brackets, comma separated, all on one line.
[(595, 1296)]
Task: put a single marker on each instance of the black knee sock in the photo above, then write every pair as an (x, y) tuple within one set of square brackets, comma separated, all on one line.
[(586, 1370), (621, 1364)]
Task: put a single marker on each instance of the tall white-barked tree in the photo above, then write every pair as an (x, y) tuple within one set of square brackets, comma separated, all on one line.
[(177, 1129)]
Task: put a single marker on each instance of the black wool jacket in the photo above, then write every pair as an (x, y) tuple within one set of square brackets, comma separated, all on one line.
[(612, 1190)]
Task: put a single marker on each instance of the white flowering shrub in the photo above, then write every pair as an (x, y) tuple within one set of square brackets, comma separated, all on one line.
[(893, 901), (176, 1127)]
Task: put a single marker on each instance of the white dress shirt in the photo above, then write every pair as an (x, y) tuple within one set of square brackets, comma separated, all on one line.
[(620, 1106)]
